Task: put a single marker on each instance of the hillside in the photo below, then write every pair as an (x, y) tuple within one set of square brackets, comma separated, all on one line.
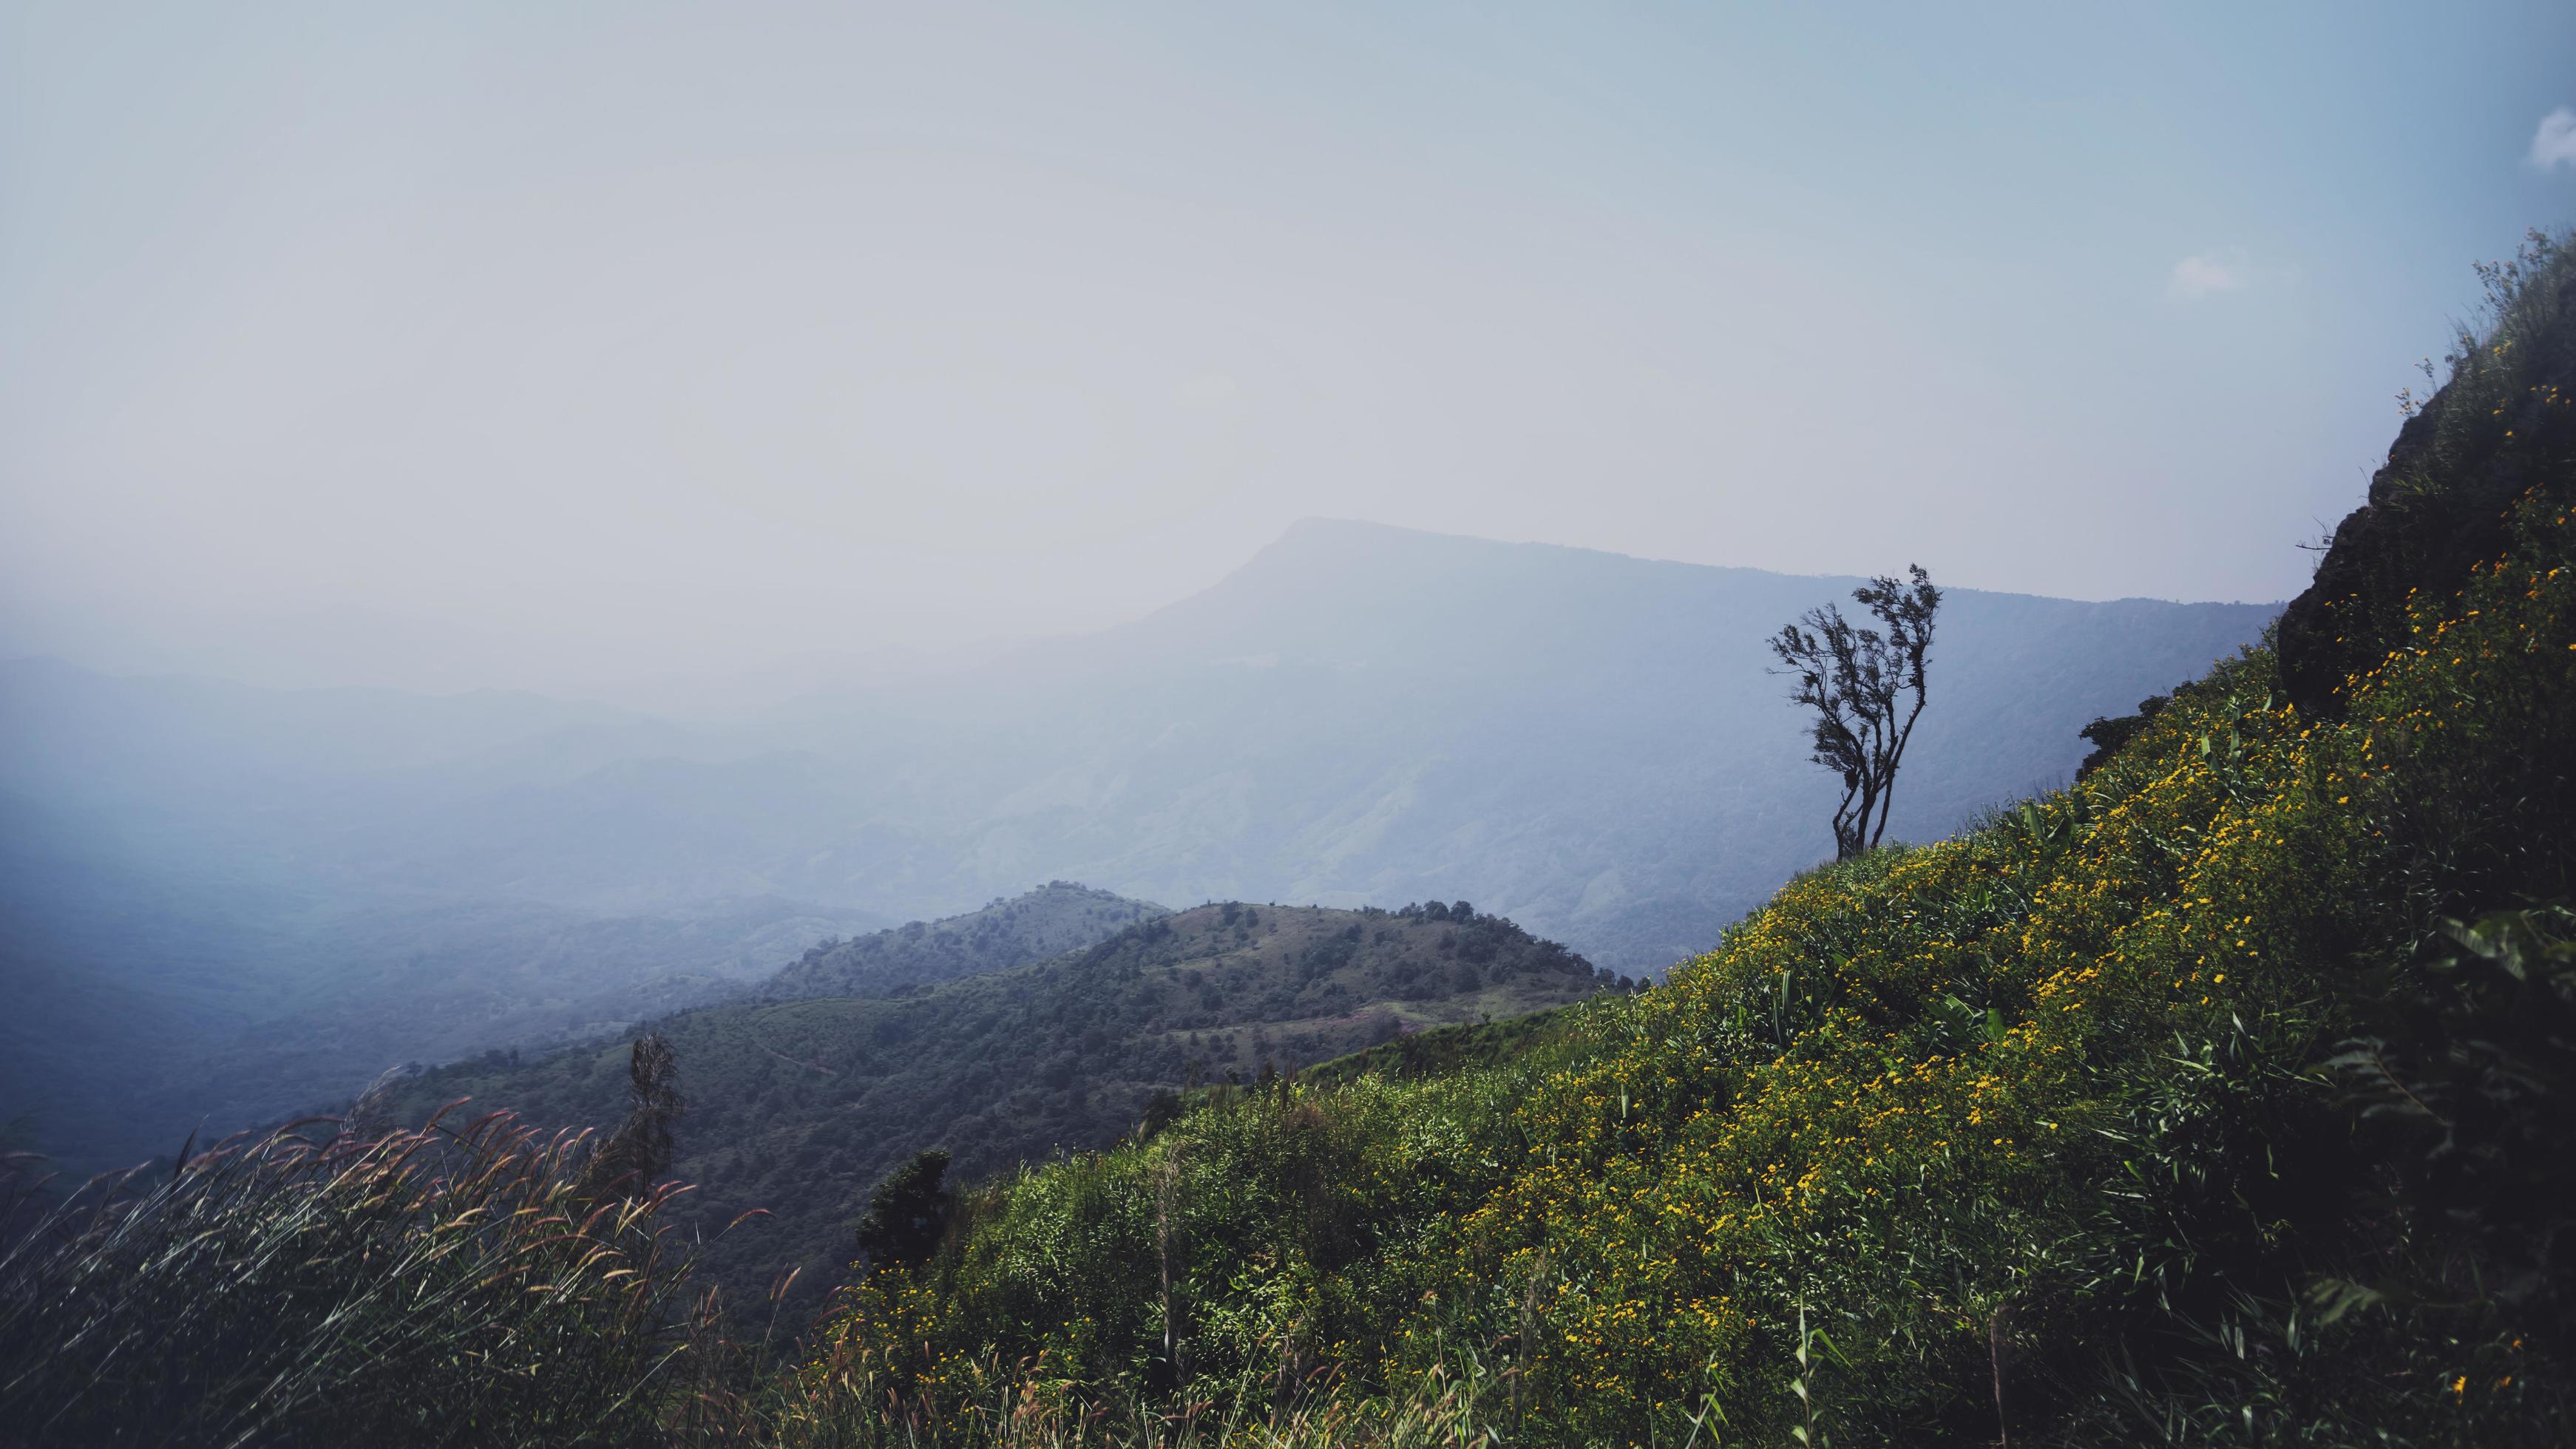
[(801, 1107), (1049, 921), (2219, 1097)]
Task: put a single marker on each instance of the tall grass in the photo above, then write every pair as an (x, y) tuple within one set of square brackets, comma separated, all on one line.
[(315, 1285), (854, 1398)]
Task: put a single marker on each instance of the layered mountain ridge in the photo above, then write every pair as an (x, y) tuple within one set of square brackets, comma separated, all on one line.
[(317, 884)]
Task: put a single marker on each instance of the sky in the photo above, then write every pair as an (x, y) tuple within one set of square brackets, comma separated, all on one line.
[(571, 346)]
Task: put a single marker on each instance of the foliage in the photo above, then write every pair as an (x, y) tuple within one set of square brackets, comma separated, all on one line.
[(2109, 733), (629, 1158), (907, 1212), (442, 1286), (850, 1400), (1856, 681), (2467, 1085), (1057, 917), (801, 1107)]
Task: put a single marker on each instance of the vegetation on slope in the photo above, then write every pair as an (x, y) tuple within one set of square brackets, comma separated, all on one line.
[(2219, 1097), (1057, 917), (800, 1107)]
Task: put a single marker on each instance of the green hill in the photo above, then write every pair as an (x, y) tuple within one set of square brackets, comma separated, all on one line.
[(2223, 1096), (1049, 921), (799, 1107)]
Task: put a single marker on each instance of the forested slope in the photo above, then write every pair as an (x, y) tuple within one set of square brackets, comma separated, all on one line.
[(799, 1107), (1055, 918)]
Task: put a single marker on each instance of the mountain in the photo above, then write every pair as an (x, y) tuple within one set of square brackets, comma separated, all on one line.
[(801, 1107), (312, 885)]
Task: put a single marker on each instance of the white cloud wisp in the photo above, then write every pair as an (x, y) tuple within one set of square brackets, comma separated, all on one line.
[(2206, 274), (2554, 144)]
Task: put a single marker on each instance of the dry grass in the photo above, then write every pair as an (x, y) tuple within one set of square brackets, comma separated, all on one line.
[(850, 1400), (440, 1286)]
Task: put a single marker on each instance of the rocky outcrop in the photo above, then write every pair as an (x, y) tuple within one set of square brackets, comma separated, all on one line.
[(2437, 509)]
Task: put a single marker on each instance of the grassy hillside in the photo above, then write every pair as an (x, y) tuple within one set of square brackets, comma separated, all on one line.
[(800, 1107), (2221, 1097)]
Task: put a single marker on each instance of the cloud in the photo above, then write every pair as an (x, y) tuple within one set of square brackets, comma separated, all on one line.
[(2206, 274), (2554, 144)]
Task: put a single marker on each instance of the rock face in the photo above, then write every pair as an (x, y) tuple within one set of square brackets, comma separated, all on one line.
[(2402, 538), (2436, 509)]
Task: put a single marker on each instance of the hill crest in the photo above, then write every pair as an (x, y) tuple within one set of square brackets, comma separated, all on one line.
[(801, 1106), (1050, 920)]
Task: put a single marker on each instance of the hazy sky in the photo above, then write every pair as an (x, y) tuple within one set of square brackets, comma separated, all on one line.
[(457, 343)]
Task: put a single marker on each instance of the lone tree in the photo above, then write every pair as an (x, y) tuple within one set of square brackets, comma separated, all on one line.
[(907, 1213), (640, 1148), (1858, 681)]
